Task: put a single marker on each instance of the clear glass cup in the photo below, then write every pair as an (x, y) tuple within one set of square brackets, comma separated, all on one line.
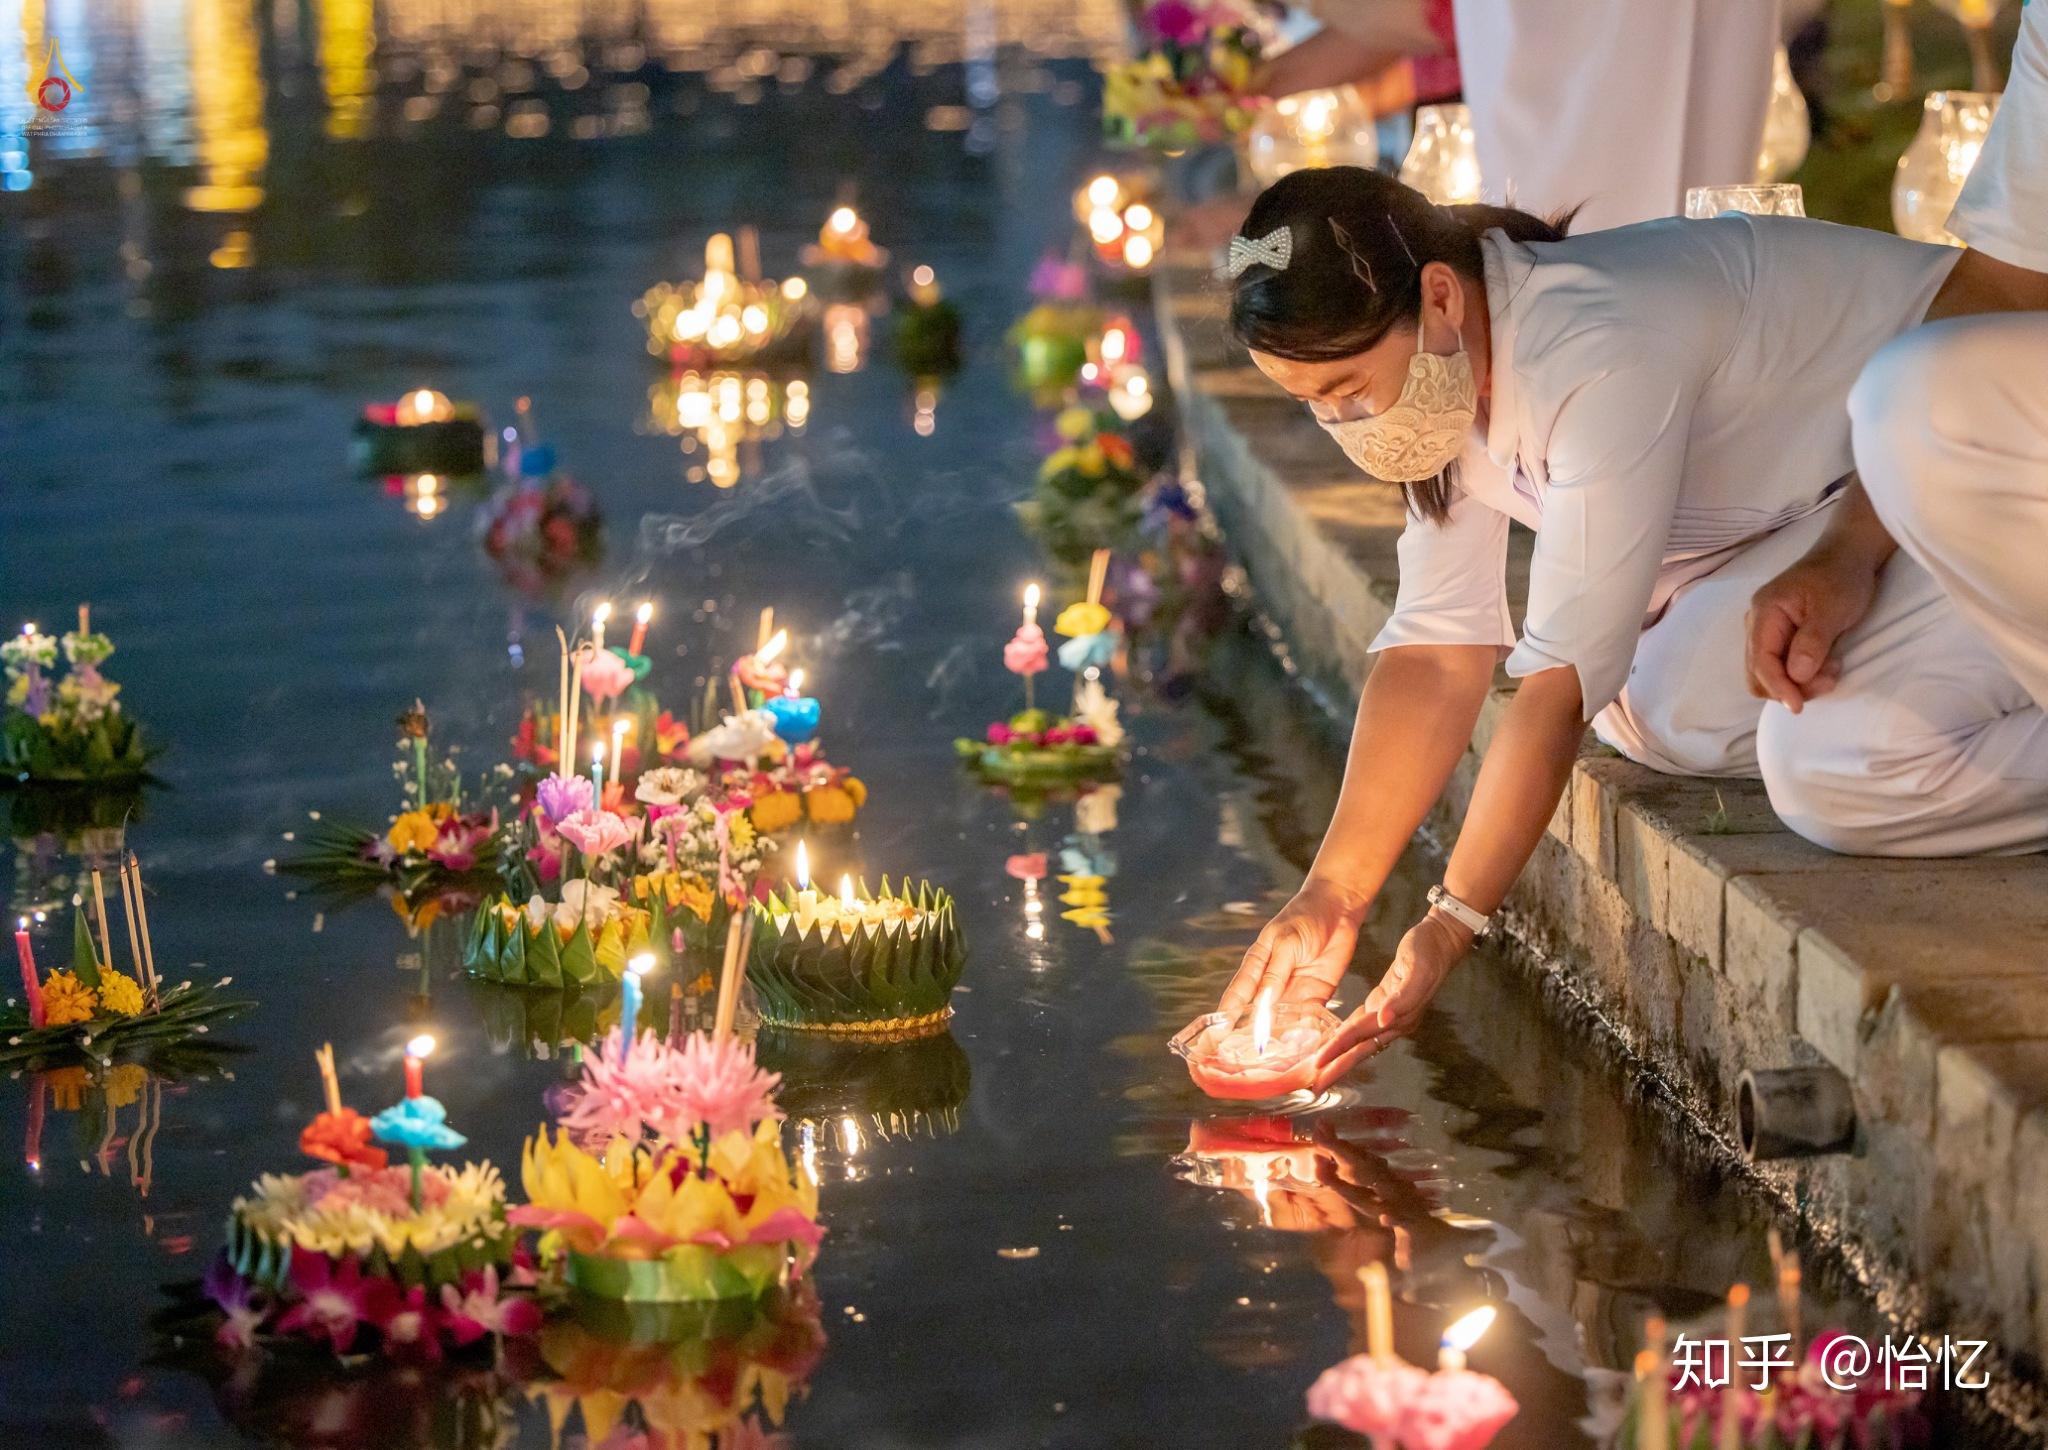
[(1443, 160), (1782, 198), (1932, 172), (1315, 128)]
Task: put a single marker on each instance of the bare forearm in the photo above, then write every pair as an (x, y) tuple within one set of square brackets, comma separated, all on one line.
[(1855, 534), (1517, 793), (1415, 718)]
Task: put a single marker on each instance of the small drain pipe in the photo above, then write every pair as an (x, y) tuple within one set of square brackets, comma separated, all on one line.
[(1794, 1112)]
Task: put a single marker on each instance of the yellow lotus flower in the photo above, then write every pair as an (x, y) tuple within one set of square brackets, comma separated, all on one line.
[(120, 995), (67, 1000), (1058, 462), (413, 831), (563, 1178)]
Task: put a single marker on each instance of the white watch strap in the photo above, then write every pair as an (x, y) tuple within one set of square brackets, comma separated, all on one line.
[(1474, 921)]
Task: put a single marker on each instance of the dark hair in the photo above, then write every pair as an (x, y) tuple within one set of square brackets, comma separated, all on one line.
[(1360, 242)]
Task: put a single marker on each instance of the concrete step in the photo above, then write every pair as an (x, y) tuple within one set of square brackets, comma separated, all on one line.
[(1715, 938)]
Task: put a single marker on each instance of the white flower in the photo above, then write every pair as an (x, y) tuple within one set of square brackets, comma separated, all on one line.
[(1094, 708), (571, 909), (1095, 812), (739, 737), (667, 785)]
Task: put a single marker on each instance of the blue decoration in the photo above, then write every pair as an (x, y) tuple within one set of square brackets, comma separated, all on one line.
[(416, 1123), (1084, 651), (796, 716)]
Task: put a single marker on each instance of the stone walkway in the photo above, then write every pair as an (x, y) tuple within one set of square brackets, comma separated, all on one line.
[(1716, 939)]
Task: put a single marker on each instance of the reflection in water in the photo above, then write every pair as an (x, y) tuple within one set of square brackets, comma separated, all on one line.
[(227, 117), (721, 417)]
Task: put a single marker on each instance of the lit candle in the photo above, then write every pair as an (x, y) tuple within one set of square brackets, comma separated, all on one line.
[(924, 286), (796, 714), (806, 899), (597, 773), (1031, 598), (1653, 1419), (1729, 1435), (31, 984), (416, 1052), (1379, 1313), (640, 617), (846, 900), (1262, 1024), (423, 405), (776, 642), (1104, 191), (1460, 1336), (621, 728), (629, 996), (598, 619)]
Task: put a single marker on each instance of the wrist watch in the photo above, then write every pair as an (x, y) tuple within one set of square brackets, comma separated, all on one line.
[(1473, 920)]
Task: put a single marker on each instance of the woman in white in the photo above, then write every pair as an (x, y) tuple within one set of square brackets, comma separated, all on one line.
[(1664, 404), (1908, 687)]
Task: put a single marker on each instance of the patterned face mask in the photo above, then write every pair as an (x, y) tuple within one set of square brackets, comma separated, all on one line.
[(1426, 427)]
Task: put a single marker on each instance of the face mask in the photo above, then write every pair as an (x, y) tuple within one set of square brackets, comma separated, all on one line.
[(1425, 429)]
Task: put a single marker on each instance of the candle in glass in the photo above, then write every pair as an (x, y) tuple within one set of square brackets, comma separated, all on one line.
[(31, 984), (416, 1052), (640, 617)]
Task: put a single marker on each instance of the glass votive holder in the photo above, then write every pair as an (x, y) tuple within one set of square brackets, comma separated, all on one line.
[(1782, 198), (1226, 1059)]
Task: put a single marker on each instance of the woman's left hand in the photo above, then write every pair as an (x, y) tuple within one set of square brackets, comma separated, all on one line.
[(1425, 957)]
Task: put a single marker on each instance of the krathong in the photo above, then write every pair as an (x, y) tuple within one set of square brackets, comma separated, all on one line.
[(67, 728), (844, 262), (418, 1254), (1265, 1051), (1035, 747), (92, 1013), (689, 1197), (1090, 491), (1192, 84), (422, 433), (856, 962), (724, 319), (927, 328)]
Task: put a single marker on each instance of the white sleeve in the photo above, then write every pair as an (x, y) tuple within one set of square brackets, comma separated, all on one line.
[(1453, 587), (2003, 211), (1616, 454)]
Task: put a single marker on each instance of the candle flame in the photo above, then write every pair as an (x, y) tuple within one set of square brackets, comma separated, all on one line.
[(796, 681), (1462, 1334), (776, 643), (602, 614), (597, 752), (803, 867), (420, 1046), (1031, 596), (846, 892), (844, 220), (1103, 190), (1138, 217), (645, 612), (923, 276), (1262, 1024), (621, 728), (849, 1136), (641, 964)]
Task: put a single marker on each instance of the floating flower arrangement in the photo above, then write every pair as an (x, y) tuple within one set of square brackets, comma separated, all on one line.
[(666, 1180), (431, 849), (421, 1255), (67, 730), (844, 261), (1036, 746), (1190, 87), (541, 530), (93, 1013), (1090, 491), (927, 327), (858, 962), (725, 320), (422, 433)]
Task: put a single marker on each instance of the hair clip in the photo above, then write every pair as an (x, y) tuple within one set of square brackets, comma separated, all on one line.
[(1401, 239), (1275, 249), (1360, 267)]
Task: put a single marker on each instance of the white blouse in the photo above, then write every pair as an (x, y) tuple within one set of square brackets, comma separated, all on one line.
[(1661, 395), (2004, 206)]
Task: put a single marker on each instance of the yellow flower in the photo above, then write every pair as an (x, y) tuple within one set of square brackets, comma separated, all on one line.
[(1082, 617), (1091, 462), (67, 1000), (741, 831), (1058, 462), (413, 831), (419, 916), (776, 811), (120, 995), (854, 787), (829, 805), (67, 1088), (1074, 424)]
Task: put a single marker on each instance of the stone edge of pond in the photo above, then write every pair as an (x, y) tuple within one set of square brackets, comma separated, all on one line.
[(1709, 936)]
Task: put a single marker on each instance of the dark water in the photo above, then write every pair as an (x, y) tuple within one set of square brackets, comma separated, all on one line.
[(227, 251)]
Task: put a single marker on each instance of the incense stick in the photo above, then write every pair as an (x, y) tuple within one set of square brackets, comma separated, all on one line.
[(325, 1057), (1098, 574), (1653, 1425), (99, 906), (128, 913), (142, 916), (729, 979), (767, 629)]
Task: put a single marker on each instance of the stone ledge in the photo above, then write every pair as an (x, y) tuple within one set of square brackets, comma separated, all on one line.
[(1712, 936)]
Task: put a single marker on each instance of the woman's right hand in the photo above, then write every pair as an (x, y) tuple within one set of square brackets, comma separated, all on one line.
[(1304, 951)]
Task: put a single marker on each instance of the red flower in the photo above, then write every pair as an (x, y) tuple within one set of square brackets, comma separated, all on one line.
[(343, 1139)]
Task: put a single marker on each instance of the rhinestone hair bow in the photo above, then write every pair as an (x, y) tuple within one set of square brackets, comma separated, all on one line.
[(1275, 249)]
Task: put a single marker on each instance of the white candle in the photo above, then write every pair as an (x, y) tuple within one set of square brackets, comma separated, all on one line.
[(598, 619), (806, 899), (621, 728), (1461, 1335), (597, 774), (1031, 598)]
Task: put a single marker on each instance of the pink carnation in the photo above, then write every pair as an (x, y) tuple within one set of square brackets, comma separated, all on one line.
[(595, 833)]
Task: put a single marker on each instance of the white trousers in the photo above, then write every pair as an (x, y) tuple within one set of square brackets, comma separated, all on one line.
[(1935, 742), (1617, 104)]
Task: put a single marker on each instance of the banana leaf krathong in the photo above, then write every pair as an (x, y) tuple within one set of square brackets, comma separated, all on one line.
[(183, 1012), (893, 978)]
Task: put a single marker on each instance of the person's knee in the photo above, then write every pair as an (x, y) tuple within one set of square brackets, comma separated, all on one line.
[(1801, 759), (1915, 401)]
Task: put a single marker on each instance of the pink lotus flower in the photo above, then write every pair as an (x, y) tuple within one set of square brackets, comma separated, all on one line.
[(1456, 1410), (595, 833), (333, 1301), (719, 1085), (562, 796), (1178, 22), (606, 676), (1361, 1394), (477, 1309)]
